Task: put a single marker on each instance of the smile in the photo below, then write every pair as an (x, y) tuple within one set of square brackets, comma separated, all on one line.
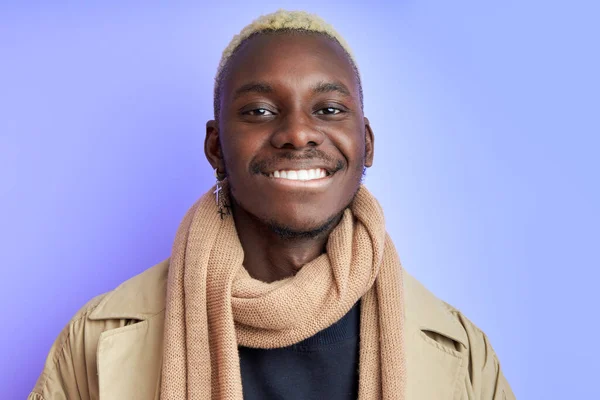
[(317, 178), (300, 175)]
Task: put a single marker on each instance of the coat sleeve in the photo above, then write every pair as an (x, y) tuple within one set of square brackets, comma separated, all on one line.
[(69, 372), (487, 380)]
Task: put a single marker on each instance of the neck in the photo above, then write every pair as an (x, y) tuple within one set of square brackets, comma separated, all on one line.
[(270, 256)]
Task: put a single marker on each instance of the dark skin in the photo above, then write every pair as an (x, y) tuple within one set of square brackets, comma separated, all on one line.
[(289, 102)]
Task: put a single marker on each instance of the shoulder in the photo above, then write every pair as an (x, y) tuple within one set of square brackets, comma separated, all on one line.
[(452, 330), (433, 315), (136, 299), (73, 355), (70, 355)]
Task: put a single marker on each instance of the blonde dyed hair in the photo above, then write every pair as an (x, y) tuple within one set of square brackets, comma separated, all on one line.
[(280, 21)]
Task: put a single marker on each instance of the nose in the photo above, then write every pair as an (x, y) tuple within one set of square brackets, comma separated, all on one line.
[(297, 131)]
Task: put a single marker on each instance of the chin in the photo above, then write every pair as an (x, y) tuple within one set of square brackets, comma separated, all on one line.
[(307, 228)]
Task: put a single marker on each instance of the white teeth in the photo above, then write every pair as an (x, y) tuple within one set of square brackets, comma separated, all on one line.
[(293, 175), (302, 174)]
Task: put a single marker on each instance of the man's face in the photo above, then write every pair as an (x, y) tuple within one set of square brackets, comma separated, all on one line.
[(290, 107)]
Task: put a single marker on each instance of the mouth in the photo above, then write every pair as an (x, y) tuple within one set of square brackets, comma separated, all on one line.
[(315, 178), (299, 174)]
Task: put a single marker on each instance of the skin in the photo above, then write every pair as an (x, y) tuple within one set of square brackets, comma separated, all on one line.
[(272, 118)]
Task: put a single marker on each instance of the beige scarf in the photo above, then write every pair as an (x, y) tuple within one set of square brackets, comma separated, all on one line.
[(213, 305)]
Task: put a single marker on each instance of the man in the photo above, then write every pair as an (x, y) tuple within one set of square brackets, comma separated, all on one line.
[(282, 283)]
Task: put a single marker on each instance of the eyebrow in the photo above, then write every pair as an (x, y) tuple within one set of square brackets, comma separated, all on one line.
[(328, 87), (253, 87)]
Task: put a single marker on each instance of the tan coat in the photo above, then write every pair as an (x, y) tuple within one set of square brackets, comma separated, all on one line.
[(112, 348)]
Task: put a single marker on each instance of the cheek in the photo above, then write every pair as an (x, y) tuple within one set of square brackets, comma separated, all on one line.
[(237, 148), (352, 146)]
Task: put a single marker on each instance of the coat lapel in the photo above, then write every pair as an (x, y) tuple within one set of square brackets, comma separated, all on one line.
[(436, 368), (434, 372), (129, 358), (129, 361)]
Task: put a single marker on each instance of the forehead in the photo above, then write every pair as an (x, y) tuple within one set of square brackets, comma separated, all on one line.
[(289, 58)]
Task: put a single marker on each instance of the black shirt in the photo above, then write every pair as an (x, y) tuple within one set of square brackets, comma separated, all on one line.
[(324, 366)]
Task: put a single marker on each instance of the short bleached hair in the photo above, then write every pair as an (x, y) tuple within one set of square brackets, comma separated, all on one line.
[(279, 22)]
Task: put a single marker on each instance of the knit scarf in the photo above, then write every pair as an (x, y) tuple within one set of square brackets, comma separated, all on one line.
[(214, 305)]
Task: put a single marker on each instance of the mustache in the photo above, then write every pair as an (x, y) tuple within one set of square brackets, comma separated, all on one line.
[(257, 166)]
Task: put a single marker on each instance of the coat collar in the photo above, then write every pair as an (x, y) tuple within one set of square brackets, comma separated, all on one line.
[(429, 313), (140, 297), (129, 358)]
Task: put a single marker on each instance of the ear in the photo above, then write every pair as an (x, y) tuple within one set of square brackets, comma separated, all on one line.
[(369, 144), (212, 146)]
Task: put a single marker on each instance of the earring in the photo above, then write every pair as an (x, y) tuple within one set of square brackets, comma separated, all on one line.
[(221, 196)]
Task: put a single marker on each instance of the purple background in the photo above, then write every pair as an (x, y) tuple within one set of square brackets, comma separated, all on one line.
[(486, 124)]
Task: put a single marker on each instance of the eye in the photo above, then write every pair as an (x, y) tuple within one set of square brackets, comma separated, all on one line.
[(329, 111), (258, 112)]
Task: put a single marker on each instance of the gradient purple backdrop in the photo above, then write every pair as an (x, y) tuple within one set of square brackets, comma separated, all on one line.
[(486, 161)]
